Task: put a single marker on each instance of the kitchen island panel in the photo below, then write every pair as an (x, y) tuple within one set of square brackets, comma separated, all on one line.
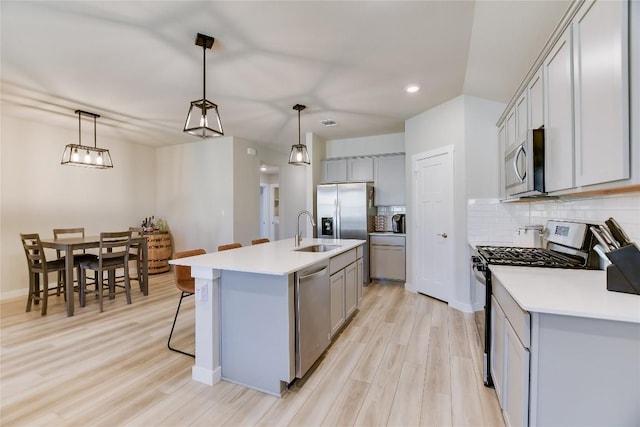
[(257, 323)]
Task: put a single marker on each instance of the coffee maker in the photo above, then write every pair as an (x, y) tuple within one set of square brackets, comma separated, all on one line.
[(398, 223)]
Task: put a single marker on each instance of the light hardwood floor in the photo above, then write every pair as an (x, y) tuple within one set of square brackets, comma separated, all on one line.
[(404, 360)]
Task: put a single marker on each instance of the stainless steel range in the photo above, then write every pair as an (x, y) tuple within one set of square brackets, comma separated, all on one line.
[(569, 245)]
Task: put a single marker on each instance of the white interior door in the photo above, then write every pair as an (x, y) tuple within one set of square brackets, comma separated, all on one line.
[(433, 216)]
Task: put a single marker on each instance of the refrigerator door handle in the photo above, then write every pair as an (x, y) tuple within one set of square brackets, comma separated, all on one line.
[(338, 225)]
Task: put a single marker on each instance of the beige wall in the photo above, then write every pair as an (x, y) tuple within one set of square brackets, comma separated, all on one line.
[(39, 194)]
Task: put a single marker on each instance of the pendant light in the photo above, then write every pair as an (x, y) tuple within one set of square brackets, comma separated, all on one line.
[(299, 153), (203, 119), (82, 155)]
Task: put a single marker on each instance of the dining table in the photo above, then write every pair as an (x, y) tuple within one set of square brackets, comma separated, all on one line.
[(69, 245)]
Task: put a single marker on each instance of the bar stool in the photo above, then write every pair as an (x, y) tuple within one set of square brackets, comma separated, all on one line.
[(229, 246), (258, 241), (186, 284)]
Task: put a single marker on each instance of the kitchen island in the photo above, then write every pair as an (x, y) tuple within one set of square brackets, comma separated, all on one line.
[(245, 313), (565, 350)]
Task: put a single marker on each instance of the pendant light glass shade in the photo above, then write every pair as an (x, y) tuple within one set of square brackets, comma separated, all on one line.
[(203, 119), (83, 155), (299, 154)]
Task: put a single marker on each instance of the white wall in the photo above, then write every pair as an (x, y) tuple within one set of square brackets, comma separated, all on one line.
[(366, 146), (39, 194), (467, 123), (195, 193), (246, 192), (481, 147)]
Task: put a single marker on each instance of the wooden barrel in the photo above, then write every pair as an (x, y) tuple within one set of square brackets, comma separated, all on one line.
[(158, 252)]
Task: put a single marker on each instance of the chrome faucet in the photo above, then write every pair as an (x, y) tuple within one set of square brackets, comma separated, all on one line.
[(313, 224)]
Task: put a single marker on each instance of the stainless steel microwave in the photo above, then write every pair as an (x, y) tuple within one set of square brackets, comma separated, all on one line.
[(524, 166)]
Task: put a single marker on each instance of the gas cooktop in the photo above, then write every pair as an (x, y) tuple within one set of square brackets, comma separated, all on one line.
[(529, 257)]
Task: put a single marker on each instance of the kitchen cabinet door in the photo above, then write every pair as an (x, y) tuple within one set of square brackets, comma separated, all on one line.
[(601, 92), (558, 95), (388, 262), (351, 289), (389, 180), (497, 349), (535, 100), (334, 170), (522, 118), (512, 128), (337, 301), (516, 380), (360, 282), (360, 169)]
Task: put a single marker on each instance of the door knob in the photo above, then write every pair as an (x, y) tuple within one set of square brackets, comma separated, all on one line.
[(443, 235)]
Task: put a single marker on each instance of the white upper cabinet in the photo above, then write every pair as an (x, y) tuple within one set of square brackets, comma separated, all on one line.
[(535, 101), (352, 169), (601, 92), (389, 180), (522, 124), (334, 170), (511, 129), (581, 95), (360, 169), (558, 118)]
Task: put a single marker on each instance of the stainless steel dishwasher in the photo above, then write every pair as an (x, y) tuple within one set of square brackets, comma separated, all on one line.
[(313, 315)]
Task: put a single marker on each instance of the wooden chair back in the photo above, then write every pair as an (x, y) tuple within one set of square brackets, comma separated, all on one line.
[(114, 248), (229, 246), (34, 252), (182, 273), (258, 241), (68, 232)]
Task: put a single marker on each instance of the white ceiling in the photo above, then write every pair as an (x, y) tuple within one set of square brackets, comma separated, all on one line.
[(136, 63)]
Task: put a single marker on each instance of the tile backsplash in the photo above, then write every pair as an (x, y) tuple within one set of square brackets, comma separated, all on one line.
[(489, 220)]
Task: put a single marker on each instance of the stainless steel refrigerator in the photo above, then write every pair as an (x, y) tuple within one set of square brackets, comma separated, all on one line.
[(346, 211)]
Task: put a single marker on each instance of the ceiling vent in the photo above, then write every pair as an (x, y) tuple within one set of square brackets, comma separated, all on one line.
[(329, 122)]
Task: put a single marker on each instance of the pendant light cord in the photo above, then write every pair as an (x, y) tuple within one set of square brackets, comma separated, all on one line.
[(298, 127), (204, 76)]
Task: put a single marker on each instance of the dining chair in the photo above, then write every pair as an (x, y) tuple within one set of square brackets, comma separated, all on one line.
[(113, 254), (38, 265), (258, 241), (136, 255), (78, 257), (186, 284), (229, 246)]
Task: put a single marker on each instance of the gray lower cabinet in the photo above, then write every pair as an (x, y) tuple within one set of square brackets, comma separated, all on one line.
[(510, 343), (560, 370), (388, 257), (337, 301), (346, 287)]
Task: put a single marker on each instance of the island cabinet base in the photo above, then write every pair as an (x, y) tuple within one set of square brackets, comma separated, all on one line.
[(257, 330)]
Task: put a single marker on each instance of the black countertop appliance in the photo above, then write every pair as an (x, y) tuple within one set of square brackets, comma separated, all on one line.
[(398, 222)]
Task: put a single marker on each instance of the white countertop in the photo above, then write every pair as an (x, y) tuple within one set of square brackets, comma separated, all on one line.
[(580, 293), (277, 258)]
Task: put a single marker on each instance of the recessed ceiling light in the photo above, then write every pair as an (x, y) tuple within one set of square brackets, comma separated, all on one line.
[(412, 88), (329, 122)]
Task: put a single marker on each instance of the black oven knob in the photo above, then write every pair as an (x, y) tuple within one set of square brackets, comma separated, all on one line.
[(476, 259)]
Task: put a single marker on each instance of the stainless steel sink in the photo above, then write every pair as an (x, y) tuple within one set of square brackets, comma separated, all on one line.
[(317, 248)]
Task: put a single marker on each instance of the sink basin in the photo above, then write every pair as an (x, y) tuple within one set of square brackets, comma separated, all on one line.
[(317, 248)]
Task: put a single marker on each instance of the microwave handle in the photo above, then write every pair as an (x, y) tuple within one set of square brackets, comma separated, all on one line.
[(515, 163)]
